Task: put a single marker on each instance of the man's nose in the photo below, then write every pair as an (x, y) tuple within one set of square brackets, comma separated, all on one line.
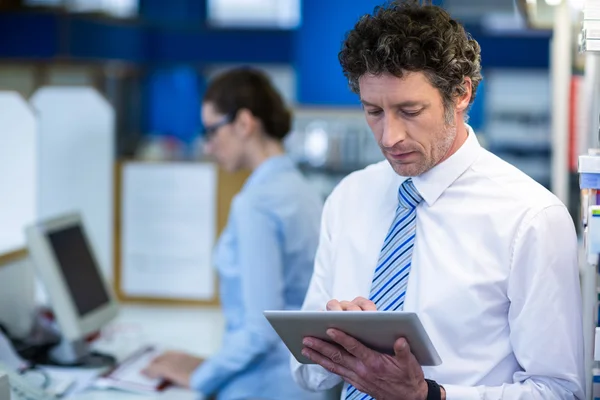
[(394, 131)]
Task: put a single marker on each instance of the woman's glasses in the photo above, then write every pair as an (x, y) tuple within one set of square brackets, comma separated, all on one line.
[(211, 130)]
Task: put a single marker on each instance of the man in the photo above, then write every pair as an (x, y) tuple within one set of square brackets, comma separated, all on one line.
[(443, 228)]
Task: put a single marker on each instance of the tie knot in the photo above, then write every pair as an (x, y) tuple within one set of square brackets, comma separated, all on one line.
[(408, 195)]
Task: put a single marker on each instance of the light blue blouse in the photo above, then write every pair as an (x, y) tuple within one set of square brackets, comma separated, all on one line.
[(265, 261)]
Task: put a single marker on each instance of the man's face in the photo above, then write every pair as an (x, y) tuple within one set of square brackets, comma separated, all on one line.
[(407, 118)]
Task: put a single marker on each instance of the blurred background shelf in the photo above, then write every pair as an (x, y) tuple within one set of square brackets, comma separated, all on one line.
[(152, 60)]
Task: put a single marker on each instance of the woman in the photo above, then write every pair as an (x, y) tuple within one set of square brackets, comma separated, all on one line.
[(266, 252)]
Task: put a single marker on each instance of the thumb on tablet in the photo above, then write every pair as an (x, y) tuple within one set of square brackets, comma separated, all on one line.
[(401, 348)]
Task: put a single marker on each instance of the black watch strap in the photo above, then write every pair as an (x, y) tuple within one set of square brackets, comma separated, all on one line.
[(434, 392)]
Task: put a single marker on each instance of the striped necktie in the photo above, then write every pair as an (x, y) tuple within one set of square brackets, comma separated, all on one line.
[(390, 279)]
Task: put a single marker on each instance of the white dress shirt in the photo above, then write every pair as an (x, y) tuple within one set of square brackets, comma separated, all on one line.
[(494, 275)]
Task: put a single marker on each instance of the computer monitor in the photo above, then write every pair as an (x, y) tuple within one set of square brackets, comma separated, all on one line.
[(82, 301)]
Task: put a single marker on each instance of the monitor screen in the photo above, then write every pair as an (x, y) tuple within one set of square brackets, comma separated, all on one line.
[(79, 269)]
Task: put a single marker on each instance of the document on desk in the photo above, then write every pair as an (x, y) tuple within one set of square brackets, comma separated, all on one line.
[(168, 230), (128, 374)]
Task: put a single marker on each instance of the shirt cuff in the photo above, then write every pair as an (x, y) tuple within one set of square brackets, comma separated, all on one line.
[(199, 380), (455, 392)]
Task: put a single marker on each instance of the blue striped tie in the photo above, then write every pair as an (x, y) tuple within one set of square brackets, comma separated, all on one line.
[(391, 275)]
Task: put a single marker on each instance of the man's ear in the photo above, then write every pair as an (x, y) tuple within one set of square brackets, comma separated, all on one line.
[(245, 123), (462, 101)]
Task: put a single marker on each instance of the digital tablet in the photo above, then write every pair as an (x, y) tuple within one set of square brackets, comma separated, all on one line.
[(377, 330)]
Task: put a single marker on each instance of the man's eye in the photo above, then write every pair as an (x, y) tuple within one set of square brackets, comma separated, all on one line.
[(374, 112), (411, 113)]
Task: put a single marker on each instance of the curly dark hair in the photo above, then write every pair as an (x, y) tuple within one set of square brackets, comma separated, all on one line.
[(408, 36), (251, 89)]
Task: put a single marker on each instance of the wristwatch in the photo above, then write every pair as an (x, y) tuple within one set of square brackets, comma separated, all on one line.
[(434, 391)]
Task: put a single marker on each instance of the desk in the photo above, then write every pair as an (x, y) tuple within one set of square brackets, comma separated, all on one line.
[(194, 330)]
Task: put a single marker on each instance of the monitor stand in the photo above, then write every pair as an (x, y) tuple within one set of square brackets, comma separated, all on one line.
[(78, 354)]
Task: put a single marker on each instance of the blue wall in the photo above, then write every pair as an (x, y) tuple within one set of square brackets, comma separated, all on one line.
[(175, 32), (172, 102), (325, 23), (171, 37), (317, 43), (17, 38)]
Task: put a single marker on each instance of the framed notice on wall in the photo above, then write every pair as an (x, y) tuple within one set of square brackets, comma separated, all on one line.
[(167, 232), (169, 215)]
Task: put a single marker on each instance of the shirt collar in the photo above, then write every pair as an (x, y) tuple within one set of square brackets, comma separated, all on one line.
[(434, 182), (268, 168)]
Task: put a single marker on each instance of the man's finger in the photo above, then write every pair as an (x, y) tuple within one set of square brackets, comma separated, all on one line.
[(332, 351), (351, 345), (349, 306), (365, 304), (401, 348), (328, 364), (334, 305)]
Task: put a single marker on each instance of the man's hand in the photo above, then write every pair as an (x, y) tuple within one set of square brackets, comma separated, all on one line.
[(358, 304), (382, 376), (173, 366)]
